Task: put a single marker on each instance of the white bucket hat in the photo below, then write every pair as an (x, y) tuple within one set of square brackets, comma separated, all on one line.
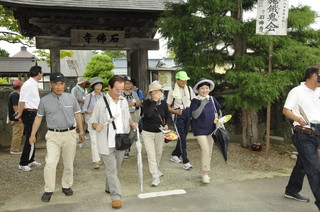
[(202, 80)]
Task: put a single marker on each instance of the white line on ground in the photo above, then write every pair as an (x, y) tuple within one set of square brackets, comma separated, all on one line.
[(161, 193)]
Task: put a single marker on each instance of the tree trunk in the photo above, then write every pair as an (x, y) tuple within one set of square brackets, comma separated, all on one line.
[(250, 133)]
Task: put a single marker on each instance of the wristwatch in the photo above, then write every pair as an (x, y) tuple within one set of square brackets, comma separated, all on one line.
[(82, 133)]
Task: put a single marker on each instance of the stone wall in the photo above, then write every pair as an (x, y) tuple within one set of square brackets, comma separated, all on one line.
[(5, 128)]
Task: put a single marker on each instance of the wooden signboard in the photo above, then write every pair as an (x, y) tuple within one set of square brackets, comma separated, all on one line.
[(97, 38)]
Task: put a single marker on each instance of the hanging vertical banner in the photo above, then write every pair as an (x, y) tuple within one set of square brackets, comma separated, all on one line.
[(272, 17)]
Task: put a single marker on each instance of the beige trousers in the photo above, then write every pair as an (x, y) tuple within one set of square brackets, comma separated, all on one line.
[(64, 144), (17, 133), (206, 144), (153, 143)]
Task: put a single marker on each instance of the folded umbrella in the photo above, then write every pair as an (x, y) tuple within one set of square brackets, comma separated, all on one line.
[(31, 151), (139, 161), (222, 139)]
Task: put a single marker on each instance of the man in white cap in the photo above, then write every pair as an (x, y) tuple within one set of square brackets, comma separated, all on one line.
[(79, 92)]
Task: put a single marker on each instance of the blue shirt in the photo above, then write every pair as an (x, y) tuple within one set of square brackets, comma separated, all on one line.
[(204, 124)]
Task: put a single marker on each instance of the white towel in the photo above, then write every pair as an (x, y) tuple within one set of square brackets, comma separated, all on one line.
[(177, 94)]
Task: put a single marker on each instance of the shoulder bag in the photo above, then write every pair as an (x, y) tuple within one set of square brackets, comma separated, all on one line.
[(123, 141)]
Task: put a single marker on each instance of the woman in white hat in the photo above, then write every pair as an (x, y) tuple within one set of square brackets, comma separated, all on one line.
[(156, 114), (204, 112), (90, 100)]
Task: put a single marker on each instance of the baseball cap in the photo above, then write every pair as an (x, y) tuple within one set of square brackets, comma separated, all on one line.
[(182, 75), (17, 83), (56, 77), (127, 78)]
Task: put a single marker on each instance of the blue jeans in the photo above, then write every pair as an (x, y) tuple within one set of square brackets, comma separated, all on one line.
[(182, 125), (307, 164)]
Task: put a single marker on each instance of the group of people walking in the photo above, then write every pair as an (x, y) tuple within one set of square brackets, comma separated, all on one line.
[(119, 111)]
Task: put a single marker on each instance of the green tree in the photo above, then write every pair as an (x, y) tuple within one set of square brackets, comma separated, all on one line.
[(99, 66), (43, 55), (4, 53), (206, 34), (3, 81), (114, 53), (12, 34)]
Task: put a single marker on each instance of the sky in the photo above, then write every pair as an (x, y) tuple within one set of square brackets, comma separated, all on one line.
[(162, 52)]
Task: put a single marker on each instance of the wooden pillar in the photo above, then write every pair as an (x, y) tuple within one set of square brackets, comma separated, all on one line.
[(55, 60), (138, 68)]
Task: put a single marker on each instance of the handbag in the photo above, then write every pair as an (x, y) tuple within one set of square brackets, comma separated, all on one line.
[(169, 135), (123, 141)]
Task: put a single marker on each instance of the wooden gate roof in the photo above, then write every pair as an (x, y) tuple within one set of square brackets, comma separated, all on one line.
[(56, 17)]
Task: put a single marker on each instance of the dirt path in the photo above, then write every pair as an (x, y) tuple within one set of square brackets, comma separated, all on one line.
[(242, 164)]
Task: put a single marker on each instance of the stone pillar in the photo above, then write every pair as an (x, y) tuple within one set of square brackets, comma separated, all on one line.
[(138, 68), (55, 60)]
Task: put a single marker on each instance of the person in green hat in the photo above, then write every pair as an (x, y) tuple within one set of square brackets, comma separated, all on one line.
[(179, 100)]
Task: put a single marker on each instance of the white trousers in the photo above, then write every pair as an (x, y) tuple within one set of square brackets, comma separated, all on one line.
[(64, 144), (153, 143), (94, 146)]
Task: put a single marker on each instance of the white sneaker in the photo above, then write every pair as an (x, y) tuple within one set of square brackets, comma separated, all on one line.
[(175, 159), (205, 178), (34, 164), (25, 168), (155, 181), (187, 166)]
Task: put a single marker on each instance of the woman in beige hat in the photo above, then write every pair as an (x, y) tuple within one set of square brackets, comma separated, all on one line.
[(156, 114)]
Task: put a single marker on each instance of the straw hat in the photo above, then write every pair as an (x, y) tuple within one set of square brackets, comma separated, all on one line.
[(154, 87)]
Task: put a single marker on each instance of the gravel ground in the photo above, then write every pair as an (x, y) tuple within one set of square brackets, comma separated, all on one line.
[(242, 164)]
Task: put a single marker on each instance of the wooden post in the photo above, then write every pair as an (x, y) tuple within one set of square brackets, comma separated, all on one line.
[(138, 68), (55, 60), (269, 104)]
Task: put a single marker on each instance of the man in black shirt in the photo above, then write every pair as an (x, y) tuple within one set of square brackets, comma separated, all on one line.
[(17, 125)]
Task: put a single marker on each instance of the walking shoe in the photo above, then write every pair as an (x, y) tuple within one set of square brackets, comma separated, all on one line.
[(34, 164), (25, 168), (97, 165), (205, 178), (297, 197), (175, 159), (67, 191), (187, 166), (201, 174), (155, 181), (15, 153), (46, 196), (116, 204)]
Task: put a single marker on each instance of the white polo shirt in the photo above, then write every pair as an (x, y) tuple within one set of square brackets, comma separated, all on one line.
[(307, 99), (29, 94)]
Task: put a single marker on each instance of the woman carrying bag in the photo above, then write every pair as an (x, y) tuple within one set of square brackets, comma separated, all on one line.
[(203, 110), (87, 108), (156, 114)]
